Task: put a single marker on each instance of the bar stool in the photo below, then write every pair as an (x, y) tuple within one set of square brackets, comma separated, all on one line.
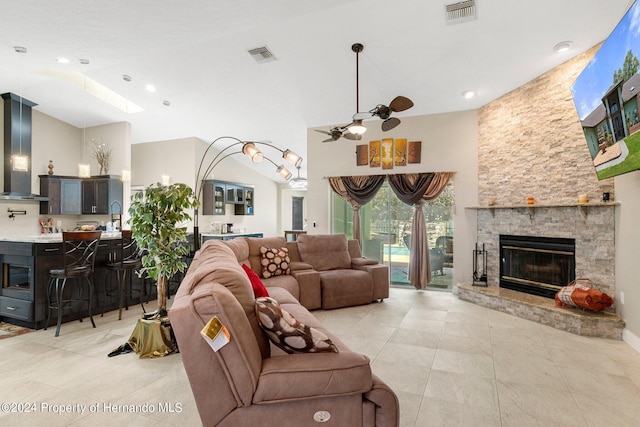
[(128, 258), (78, 263)]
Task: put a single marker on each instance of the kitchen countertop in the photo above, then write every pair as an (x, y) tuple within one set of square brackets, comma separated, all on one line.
[(52, 237)]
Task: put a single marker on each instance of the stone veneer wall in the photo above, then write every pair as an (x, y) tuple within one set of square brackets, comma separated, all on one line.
[(592, 227), (531, 144)]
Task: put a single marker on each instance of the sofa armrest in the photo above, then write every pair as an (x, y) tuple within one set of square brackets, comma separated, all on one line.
[(309, 285), (380, 276), (387, 407), (300, 376), (300, 266), (363, 261)]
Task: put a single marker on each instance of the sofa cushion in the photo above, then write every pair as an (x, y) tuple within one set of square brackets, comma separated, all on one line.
[(324, 252), (275, 261), (288, 333), (258, 287), (345, 288)]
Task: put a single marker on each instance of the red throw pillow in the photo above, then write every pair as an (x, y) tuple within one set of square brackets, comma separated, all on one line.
[(258, 287)]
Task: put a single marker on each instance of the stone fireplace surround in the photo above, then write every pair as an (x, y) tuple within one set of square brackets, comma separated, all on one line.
[(591, 225)]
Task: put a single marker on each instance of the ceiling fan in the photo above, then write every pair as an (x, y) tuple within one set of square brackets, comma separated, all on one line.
[(355, 129), (337, 132)]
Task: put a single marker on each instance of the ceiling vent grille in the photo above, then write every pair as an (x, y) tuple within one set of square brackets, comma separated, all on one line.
[(262, 54), (463, 11)]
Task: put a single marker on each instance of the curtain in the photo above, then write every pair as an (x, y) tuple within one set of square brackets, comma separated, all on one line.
[(416, 189), (357, 191)]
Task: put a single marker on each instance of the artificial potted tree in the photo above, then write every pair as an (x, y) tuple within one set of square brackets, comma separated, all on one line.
[(156, 218)]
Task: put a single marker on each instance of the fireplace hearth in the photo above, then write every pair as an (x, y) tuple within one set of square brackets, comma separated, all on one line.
[(536, 265)]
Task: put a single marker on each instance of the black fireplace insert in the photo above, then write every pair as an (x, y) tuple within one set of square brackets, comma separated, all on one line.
[(537, 265)]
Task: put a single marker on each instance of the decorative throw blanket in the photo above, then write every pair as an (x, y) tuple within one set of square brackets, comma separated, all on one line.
[(578, 295)]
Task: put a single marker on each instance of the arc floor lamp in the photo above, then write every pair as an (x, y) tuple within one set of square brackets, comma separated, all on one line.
[(249, 149)]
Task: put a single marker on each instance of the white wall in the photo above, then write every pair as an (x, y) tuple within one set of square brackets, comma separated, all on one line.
[(627, 250), (449, 144), (180, 160)]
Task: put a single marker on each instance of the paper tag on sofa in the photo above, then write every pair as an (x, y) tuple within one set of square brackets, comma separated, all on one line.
[(215, 333)]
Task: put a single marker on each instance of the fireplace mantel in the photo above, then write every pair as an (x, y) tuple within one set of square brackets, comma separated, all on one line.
[(531, 209)]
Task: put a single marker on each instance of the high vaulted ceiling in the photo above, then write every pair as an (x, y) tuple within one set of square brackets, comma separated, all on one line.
[(195, 53)]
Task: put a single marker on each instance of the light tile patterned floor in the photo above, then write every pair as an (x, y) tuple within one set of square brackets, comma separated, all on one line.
[(450, 362)]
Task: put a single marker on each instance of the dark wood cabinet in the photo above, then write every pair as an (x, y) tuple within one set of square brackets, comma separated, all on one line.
[(64, 195), (98, 193), (217, 194), (24, 300), (213, 197)]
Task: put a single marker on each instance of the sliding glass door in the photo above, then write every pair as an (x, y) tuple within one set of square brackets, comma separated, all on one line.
[(386, 230)]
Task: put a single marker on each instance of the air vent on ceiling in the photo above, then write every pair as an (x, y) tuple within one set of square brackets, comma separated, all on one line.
[(463, 11), (262, 54)]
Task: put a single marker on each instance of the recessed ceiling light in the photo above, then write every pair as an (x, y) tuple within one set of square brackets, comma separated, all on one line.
[(150, 88), (62, 60), (562, 46), (20, 49), (84, 61), (468, 94)]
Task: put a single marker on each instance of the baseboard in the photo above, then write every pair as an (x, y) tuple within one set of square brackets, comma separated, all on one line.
[(632, 339)]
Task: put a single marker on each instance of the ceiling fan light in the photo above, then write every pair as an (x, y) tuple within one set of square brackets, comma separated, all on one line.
[(284, 172), (292, 157), (251, 151), (357, 128)]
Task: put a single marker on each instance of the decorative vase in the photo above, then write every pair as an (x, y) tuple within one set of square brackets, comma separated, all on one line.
[(104, 170)]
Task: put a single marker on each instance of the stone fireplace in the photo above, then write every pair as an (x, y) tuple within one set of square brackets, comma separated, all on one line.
[(591, 227)]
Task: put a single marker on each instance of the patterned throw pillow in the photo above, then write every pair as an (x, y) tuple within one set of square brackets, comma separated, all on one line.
[(287, 332), (258, 287), (275, 261)]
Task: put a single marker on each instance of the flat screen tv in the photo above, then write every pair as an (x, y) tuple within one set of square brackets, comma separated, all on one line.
[(606, 97)]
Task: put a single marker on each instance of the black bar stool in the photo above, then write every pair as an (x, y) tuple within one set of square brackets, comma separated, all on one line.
[(79, 257), (128, 258)]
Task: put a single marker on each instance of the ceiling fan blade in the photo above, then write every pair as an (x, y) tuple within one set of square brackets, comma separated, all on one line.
[(329, 140), (323, 131), (352, 136), (390, 123), (400, 103)]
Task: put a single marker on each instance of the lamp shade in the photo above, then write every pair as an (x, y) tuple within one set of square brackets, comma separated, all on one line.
[(84, 170), (292, 157), (357, 128), (284, 172), (252, 152)]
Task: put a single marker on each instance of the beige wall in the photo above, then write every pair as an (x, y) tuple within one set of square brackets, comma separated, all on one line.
[(449, 143), (62, 143)]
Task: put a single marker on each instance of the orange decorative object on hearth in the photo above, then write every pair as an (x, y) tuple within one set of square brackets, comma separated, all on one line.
[(582, 296)]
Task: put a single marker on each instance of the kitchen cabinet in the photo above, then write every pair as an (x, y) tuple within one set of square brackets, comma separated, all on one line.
[(98, 193), (213, 197), (64, 195), (25, 278), (245, 208), (217, 194)]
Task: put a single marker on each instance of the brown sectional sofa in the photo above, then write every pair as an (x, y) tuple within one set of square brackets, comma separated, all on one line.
[(250, 381), (327, 271)]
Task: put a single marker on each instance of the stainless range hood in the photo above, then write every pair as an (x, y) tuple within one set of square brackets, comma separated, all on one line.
[(17, 142)]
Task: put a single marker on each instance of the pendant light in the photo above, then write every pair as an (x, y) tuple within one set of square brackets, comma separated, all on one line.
[(357, 128)]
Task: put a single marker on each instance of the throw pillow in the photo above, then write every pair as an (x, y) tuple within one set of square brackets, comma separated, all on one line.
[(258, 287), (275, 261), (287, 332)]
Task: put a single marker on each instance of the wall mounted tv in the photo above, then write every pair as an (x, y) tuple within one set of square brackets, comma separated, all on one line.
[(606, 95)]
